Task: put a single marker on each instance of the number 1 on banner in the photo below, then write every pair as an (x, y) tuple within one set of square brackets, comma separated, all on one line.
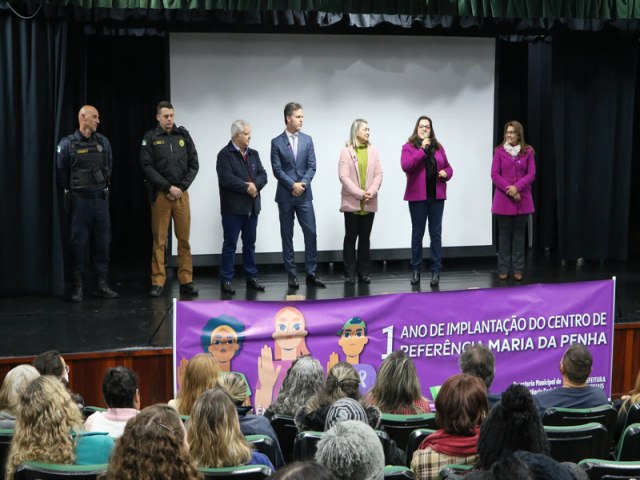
[(389, 332)]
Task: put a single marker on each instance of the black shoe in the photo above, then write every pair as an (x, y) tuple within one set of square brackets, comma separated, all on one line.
[(415, 278), (226, 287), (104, 291), (189, 289), (76, 291), (351, 280), (293, 281), (435, 279), (156, 291), (315, 281), (254, 284), (365, 279)]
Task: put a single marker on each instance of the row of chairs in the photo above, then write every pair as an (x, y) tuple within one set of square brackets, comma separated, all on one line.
[(49, 471), (595, 468)]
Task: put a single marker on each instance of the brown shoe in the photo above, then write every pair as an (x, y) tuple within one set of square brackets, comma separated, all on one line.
[(517, 277)]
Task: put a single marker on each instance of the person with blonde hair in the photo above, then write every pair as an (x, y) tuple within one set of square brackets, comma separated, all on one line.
[(15, 382), (153, 447), (360, 174), (214, 434), (235, 385), (201, 374), (628, 401), (397, 388), (48, 429), (342, 381)]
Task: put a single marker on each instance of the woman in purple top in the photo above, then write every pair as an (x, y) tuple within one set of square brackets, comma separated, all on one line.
[(512, 172), (428, 171)]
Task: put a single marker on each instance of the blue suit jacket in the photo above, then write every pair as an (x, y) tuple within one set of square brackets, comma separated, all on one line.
[(289, 170)]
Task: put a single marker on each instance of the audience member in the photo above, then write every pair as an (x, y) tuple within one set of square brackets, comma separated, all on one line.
[(575, 368), (48, 429), (200, 375), (479, 361), (513, 424), (342, 381), (397, 388), (304, 379), (343, 410), (461, 406), (121, 394), (153, 447), (352, 451), (52, 363), (214, 434), (629, 400), (14, 384), (523, 465), (234, 384), (303, 471)]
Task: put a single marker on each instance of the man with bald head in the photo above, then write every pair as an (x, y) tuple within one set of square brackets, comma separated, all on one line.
[(83, 168)]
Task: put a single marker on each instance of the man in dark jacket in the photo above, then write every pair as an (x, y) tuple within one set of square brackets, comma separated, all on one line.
[(169, 163), (83, 169), (241, 176)]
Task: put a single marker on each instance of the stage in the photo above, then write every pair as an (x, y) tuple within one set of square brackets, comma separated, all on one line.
[(136, 330)]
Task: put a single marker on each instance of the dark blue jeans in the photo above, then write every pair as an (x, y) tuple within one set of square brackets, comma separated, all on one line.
[(421, 211), (232, 226), (307, 220), (90, 222)]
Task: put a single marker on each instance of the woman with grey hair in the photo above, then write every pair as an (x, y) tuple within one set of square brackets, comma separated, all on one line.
[(304, 379), (352, 451), (15, 382), (360, 174)]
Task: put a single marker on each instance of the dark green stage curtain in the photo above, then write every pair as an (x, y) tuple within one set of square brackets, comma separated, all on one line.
[(575, 95), (593, 116), (33, 79)]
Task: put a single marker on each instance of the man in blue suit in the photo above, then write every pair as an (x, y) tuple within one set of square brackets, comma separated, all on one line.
[(293, 160)]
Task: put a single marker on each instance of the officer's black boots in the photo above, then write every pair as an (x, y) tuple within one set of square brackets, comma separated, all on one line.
[(102, 289), (76, 290)]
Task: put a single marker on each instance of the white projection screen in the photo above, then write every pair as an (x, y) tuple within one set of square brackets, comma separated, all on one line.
[(388, 80)]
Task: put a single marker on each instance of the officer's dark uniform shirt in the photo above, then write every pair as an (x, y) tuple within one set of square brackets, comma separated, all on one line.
[(169, 158), (84, 164)]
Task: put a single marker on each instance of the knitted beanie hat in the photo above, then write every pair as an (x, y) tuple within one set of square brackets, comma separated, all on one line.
[(352, 451), (345, 409)]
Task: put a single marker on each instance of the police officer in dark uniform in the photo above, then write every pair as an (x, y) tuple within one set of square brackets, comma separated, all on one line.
[(83, 167), (169, 163)]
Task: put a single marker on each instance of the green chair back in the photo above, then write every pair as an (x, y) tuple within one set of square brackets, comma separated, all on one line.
[(264, 444), (629, 445), (604, 414), (415, 439), (55, 471), (246, 472), (399, 427), (306, 444), (6, 434), (285, 428), (610, 470), (454, 471), (393, 472), (575, 443)]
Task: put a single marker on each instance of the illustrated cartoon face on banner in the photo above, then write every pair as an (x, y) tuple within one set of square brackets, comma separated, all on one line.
[(353, 338), (289, 339), (222, 338)]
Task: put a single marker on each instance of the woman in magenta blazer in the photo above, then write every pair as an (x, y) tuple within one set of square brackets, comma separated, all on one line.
[(428, 171), (360, 174), (512, 172)]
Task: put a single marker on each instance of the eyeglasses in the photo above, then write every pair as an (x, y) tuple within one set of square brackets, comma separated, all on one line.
[(424, 127)]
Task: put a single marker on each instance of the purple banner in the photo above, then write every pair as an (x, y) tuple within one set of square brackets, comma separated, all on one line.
[(528, 328)]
